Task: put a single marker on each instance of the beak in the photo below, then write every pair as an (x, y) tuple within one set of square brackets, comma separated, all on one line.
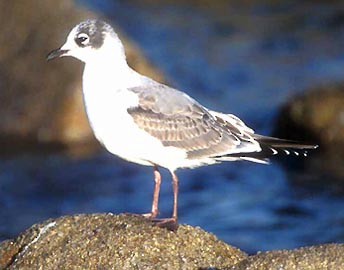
[(56, 53)]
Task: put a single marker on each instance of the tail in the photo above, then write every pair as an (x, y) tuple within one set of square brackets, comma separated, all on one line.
[(271, 146)]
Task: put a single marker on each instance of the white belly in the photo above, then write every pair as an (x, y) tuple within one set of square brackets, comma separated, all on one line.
[(107, 100), (117, 131)]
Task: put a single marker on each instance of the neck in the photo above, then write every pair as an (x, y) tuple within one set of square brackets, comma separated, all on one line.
[(111, 73), (109, 68)]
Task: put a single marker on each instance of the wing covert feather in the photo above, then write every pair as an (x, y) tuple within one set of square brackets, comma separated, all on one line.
[(179, 121)]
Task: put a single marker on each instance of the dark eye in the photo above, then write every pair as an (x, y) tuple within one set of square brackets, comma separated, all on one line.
[(82, 39)]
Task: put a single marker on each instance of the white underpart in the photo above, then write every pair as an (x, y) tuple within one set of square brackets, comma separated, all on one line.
[(115, 128)]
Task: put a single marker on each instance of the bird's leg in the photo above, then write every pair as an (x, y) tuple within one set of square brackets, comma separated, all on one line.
[(175, 196), (171, 223), (155, 204)]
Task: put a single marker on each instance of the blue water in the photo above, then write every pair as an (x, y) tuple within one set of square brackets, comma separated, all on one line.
[(247, 61)]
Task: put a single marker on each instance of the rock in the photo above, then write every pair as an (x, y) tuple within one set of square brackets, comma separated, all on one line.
[(8, 250), (105, 241), (330, 257), (40, 102), (318, 117)]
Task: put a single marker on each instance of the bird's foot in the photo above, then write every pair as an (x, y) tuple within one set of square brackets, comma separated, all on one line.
[(167, 223)]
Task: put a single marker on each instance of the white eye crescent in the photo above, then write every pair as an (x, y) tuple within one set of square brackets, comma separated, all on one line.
[(82, 39)]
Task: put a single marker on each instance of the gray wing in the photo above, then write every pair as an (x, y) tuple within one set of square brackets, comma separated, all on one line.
[(177, 120)]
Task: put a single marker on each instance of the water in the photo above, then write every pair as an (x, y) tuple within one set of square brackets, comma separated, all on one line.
[(246, 61)]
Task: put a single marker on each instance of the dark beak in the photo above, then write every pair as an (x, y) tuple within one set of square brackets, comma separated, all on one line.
[(56, 53)]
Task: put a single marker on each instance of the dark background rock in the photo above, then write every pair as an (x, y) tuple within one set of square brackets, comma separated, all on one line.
[(318, 117), (40, 102)]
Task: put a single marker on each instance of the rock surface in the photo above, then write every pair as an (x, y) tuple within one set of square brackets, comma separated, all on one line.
[(106, 241), (40, 102)]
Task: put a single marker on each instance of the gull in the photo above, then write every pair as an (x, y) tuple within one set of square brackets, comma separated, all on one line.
[(152, 124)]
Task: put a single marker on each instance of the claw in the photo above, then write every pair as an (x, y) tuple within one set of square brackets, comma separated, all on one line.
[(170, 224)]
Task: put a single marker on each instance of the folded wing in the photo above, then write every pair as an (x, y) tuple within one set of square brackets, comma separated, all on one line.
[(179, 121)]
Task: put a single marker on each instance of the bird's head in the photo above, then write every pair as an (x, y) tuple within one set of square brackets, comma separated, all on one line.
[(90, 40)]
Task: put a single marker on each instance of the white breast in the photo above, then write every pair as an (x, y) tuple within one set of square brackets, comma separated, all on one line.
[(107, 100)]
